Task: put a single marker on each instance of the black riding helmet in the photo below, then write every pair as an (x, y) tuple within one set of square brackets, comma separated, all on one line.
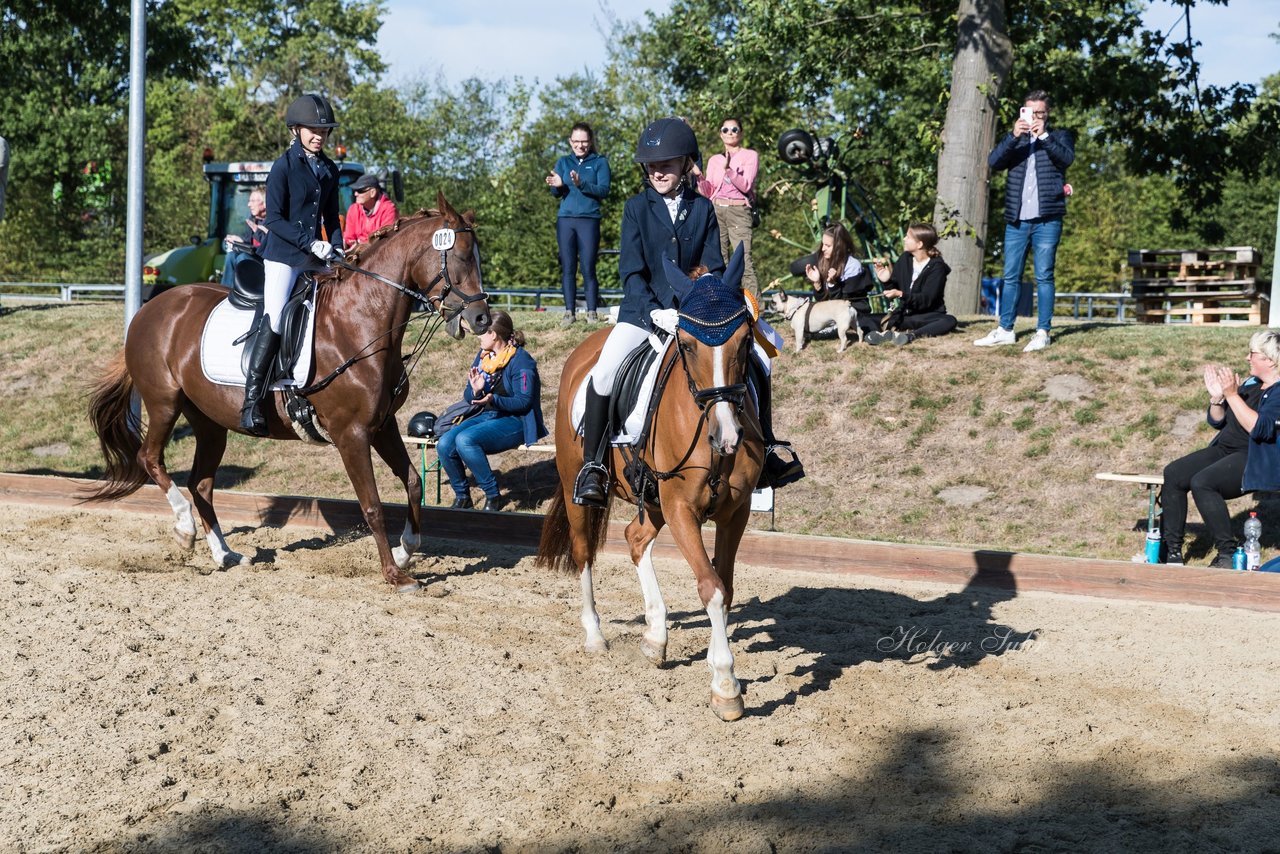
[(313, 111), (667, 139), (423, 424)]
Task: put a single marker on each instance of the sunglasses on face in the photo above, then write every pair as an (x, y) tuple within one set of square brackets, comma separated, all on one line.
[(730, 130)]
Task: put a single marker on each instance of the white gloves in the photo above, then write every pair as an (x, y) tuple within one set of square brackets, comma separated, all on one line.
[(665, 319), (322, 249)]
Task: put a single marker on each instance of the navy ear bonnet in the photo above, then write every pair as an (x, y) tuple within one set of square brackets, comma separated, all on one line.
[(710, 308)]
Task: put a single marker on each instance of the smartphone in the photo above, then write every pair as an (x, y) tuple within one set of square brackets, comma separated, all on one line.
[(1024, 113)]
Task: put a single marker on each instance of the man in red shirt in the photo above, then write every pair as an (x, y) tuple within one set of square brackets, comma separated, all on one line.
[(371, 211)]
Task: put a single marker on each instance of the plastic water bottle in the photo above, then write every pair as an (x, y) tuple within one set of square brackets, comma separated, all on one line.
[(1153, 545), (1253, 542)]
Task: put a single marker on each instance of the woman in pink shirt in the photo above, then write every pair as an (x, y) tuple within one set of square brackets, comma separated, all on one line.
[(371, 211), (730, 183)]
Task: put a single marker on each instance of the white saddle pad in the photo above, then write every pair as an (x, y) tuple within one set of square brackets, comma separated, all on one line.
[(220, 357), (635, 419)]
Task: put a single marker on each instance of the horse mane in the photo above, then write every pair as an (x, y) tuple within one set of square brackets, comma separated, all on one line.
[(359, 250), (356, 253)]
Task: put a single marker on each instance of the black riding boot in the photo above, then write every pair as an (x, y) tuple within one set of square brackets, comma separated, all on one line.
[(778, 469), (257, 379), (592, 485)]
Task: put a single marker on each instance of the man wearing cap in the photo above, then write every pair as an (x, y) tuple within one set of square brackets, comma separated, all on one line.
[(371, 211)]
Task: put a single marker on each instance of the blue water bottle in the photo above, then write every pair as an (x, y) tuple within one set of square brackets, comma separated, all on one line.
[(1238, 560), (1153, 545)]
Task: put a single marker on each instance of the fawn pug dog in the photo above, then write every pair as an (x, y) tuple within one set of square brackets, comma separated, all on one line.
[(838, 311)]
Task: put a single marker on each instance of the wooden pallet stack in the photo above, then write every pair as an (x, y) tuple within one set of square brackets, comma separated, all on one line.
[(1198, 286)]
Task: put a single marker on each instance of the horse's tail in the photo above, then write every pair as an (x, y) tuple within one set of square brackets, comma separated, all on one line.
[(555, 549), (111, 414)]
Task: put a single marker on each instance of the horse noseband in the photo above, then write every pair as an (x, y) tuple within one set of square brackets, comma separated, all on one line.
[(735, 394)]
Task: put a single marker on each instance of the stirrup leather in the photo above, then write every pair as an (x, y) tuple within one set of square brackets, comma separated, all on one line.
[(587, 478)]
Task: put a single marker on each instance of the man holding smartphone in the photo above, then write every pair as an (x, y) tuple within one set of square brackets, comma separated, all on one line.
[(1034, 204)]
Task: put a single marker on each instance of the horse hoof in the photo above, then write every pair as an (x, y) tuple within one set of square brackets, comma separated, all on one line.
[(411, 587), (231, 559), (595, 646), (657, 653), (727, 708), (186, 540)]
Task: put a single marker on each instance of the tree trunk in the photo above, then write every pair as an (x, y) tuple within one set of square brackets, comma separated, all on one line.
[(984, 56)]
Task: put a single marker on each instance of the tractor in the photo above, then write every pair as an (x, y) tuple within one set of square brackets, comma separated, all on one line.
[(229, 188)]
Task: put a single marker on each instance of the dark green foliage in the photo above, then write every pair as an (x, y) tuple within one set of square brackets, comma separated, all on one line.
[(1161, 161)]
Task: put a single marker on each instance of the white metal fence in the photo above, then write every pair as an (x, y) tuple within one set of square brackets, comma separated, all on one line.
[(1077, 305)]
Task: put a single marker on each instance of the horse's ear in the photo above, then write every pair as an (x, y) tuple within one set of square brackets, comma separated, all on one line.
[(678, 279), (444, 207), (469, 218), (737, 266)]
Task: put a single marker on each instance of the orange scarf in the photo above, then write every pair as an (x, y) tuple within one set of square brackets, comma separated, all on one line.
[(491, 363)]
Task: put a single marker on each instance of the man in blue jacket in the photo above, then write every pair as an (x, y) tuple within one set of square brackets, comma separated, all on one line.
[(1034, 203)]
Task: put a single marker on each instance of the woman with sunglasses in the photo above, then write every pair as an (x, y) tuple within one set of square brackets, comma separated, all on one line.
[(1242, 458), (730, 184)]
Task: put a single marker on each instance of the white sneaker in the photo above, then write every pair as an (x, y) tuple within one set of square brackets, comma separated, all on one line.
[(1038, 341), (995, 338)]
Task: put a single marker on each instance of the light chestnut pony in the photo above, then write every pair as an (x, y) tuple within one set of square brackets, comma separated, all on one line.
[(705, 451), (360, 323)]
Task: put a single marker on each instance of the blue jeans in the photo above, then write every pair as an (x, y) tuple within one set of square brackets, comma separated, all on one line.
[(229, 266), (470, 442), (1042, 235), (578, 237)]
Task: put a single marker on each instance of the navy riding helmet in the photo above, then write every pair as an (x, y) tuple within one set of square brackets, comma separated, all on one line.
[(313, 111), (667, 139), (423, 425)]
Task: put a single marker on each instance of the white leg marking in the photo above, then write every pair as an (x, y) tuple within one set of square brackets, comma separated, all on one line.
[(654, 641), (186, 522), (403, 553), (719, 658), (590, 619), (223, 557)]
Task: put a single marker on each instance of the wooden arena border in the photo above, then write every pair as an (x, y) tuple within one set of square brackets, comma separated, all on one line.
[(955, 567)]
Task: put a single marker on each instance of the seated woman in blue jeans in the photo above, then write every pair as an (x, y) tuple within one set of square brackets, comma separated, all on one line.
[(504, 380)]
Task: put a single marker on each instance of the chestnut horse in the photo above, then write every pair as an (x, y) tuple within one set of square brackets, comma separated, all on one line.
[(360, 320), (704, 450)]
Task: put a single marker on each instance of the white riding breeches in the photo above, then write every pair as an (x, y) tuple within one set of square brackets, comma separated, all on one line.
[(622, 339), (279, 279)]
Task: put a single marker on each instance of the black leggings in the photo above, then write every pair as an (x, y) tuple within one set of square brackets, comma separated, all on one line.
[(1213, 476), (928, 324)]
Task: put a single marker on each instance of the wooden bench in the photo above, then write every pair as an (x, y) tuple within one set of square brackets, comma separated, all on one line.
[(426, 443), (1149, 482)]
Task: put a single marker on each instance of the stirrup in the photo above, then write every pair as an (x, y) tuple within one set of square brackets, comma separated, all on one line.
[(591, 487), (252, 421), (780, 470)]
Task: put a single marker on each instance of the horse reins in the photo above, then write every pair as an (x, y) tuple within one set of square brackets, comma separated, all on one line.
[(425, 295), (439, 309), (734, 394)]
